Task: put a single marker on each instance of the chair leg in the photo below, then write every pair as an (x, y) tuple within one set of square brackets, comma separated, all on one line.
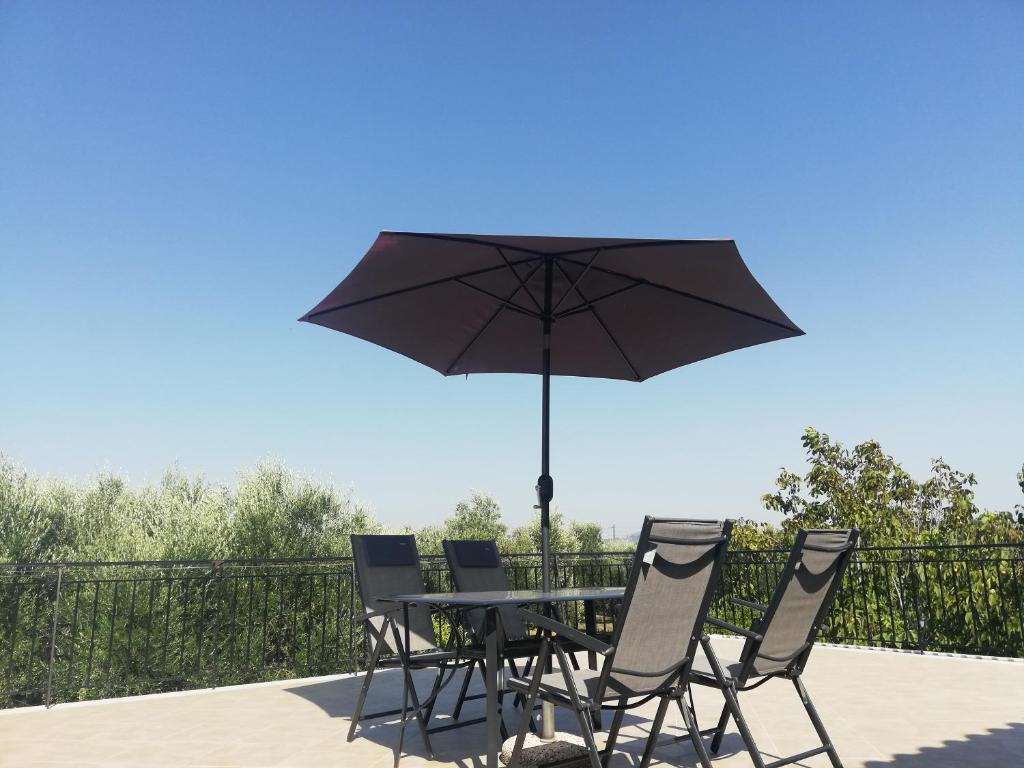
[(515, 673), (819, 727), (524, 726), (613, 732), (522, 699), (723, 723), (733, 704), (405, 714), (531, 696), (464, 690), (419, 715), (501, 703), (587, 729), (432, 698), (652, 740), (694, 729), (584, 714), (560, 616), (364, 690)]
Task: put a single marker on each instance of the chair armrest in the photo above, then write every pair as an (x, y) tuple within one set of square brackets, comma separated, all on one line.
[(569, 633), (733, 628), (749, 604), (374, 614)]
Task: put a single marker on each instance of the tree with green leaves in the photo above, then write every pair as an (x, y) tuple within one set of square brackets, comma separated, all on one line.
[(865, 487)]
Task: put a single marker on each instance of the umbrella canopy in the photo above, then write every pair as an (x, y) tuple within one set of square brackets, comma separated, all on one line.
[(568, 306), (620, 309)]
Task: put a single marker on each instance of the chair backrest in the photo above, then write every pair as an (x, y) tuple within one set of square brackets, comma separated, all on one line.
[(390, 565), (476, 567), (801, 602), (675, 571)]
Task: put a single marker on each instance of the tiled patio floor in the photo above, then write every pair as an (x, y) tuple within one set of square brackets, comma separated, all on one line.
[(883, 709)]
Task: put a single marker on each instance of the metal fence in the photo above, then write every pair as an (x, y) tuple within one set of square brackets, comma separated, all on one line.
[(92, 630)]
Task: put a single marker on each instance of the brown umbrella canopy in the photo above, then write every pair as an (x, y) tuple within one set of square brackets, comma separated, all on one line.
[(619, 309)]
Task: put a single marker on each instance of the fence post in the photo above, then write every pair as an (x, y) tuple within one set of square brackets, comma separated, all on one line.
[(218, 581), (352, 653), (53, 636)]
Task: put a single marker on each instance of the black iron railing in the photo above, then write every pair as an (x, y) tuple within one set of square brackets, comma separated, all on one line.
[(92, 630)]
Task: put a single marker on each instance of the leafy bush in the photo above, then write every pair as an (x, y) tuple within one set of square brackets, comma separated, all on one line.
[(272, 513)]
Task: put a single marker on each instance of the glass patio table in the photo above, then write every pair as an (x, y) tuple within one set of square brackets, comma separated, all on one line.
[(490, 602)]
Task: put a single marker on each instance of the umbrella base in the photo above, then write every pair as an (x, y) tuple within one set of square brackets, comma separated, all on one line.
[(565, 749)]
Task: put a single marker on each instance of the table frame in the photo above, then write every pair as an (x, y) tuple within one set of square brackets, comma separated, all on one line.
[(490, 602)]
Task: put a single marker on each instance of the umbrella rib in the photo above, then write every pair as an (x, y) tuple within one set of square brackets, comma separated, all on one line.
[(586, 306), (628, 243), (693, 296), (638, 244), (600, 321), (399, 291), (504, 302), (471, 241), (517, 277), (487, 325), (576, 282)]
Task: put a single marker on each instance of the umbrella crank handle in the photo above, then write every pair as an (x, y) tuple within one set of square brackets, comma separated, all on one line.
[(545, 491)]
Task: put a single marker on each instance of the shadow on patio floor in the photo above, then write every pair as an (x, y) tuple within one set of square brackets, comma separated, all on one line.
[(465, 746), (995, 748)]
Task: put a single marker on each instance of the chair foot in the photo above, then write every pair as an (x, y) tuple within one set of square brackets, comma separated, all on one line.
[(652, 740), (613, 733), (464, 690), (723, 722), (694, 731), (819, 727)]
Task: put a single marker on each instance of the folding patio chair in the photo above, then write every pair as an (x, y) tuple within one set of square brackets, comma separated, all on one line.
[(780, 642), (475, 567), (390, 565), (675, 571)]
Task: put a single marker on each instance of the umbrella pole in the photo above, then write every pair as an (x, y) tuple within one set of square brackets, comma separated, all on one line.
[(545, 485)]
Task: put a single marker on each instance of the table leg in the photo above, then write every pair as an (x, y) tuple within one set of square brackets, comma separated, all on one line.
[(590, 625), (494, 669)]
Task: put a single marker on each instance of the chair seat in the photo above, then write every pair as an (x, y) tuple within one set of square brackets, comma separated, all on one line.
[(518, 649), (552, 687), (703, 674), (431, 658)]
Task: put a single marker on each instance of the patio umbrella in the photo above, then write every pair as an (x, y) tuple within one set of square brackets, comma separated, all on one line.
[(567, 306)]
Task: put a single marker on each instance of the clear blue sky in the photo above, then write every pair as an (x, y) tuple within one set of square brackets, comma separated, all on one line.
[(180, 181)]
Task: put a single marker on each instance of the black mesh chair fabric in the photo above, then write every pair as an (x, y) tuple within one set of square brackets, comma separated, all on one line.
[(664, 608), (389, 565), (789, 624), (476, 567), (475, 554)]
